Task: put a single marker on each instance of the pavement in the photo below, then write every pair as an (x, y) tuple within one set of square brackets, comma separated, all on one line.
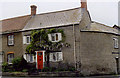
[(0, 68), (108, 76)]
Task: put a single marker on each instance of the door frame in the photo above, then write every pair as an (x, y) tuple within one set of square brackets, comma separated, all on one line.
[(43, 51), (117, 64)]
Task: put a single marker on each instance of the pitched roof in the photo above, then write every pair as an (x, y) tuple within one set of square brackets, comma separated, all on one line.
[(95, 26), (13, 24), (54, 19)]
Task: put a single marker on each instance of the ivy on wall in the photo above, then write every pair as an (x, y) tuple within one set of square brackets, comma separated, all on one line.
[(40, 41)]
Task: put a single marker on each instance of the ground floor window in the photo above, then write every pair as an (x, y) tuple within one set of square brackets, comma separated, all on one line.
[(29, 57), (10, 57), (56, 56)]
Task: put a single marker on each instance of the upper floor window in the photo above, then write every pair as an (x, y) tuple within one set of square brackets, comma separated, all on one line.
[(10, 39), (115, 42), (26, 39), (55, 37)]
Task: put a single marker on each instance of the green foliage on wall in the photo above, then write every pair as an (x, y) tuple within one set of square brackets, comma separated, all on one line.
[(40, 41)]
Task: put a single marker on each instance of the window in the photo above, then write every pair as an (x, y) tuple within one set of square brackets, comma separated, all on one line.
[(55, 37), (56, 56), (29, 57), (40, 53), (10, 57), (10, 39), (115, 42), (26, 39)]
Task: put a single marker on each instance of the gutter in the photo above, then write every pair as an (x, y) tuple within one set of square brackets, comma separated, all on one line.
[(47, 27), (36, 29), (100, 32)]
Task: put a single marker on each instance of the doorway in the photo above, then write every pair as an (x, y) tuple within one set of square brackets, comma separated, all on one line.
[(40, 59), (117, 64)]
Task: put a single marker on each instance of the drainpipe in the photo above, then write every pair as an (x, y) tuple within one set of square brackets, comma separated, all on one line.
[(74, 46)]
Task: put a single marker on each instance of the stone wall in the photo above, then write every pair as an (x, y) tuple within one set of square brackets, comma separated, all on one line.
[(96, 53), (68, 52), (17, 48)]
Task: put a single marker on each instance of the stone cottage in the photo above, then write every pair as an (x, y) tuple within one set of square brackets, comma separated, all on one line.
[(93, 46)]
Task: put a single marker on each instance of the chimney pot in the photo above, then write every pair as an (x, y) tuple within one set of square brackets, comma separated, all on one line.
[(33, 10), (84, 4)]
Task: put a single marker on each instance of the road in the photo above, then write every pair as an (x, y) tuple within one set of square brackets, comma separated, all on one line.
[(109, 76)]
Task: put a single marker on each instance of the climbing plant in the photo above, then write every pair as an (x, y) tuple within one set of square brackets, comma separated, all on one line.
[(40, 41)]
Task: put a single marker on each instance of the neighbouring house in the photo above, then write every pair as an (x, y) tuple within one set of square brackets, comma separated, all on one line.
[(93, 46), (12, 38)]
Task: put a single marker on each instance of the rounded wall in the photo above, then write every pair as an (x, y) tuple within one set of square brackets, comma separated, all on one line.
[(96, 53)]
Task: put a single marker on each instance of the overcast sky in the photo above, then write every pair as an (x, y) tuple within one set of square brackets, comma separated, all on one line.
[(103, 11)]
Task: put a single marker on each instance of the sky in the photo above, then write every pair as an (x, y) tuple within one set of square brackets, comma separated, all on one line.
[(102, 11)]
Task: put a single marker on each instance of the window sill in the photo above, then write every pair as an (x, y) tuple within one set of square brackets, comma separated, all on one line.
[(54, 41), (10, 63), (56, 61), (10, 45), (116, 48), (26, 43), (31, 62)]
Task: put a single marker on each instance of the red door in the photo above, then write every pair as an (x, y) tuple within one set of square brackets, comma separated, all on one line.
[(40, 60)]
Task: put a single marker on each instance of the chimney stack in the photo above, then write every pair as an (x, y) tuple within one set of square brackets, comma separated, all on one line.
[(33, 10), (84, 4)]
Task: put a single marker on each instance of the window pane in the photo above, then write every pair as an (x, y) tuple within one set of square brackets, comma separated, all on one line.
[(51, 57), (57, 56), (28, 39), (56, 37), (31, 58), (60, 56), (40, 53), (10, 40), (10, 58), (115, 43), (10, 37), (53, 38), (54, 56)]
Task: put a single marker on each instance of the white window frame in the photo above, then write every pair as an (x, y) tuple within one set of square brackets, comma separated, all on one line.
[(58, 56), (27, 57), (25, 39), (54, 35), (28, 37), (115, 43), (10, 39), (9, 59)]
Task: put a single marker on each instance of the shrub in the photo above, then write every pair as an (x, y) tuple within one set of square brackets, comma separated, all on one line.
[(71, 69), (45, 69), (19, 63), (5, 67), (25, 70)]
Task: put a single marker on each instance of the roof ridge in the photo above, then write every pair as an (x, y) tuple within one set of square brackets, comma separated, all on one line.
[(59, 11), (15, 17), (41, 13), (102, 24)]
